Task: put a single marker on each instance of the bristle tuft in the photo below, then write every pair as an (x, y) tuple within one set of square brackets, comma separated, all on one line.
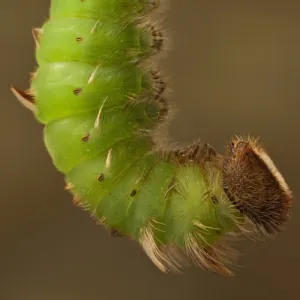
[(26, 98)]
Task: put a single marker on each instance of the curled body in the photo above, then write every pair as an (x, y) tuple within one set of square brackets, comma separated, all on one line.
[(101, 108)]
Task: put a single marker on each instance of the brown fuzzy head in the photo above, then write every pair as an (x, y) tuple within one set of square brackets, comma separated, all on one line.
[(253, 183)]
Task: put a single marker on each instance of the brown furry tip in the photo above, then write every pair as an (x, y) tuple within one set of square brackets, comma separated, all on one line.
[(253, 183)]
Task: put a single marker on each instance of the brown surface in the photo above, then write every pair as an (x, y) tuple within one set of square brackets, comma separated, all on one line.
[(235, 69)]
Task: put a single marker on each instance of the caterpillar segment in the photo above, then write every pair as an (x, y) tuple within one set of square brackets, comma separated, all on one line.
[(101, 106)]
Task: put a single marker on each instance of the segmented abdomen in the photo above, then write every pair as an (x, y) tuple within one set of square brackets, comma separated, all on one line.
[(100, 106)]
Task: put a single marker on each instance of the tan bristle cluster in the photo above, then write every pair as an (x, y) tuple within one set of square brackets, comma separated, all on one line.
[(26, 98), (254, 184)]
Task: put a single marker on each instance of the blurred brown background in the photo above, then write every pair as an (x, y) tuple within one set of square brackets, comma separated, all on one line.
[(235, 70)]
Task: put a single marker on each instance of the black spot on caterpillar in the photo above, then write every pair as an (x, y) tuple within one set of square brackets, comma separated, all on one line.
[(101, 177), (101, 108)]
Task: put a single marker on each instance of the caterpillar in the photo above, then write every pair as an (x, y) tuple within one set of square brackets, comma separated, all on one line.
[(102, 105)]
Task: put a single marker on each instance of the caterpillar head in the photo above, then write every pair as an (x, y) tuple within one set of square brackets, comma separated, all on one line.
[(253, 183)]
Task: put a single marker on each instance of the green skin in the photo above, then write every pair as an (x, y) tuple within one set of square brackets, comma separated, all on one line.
[(93, 128)]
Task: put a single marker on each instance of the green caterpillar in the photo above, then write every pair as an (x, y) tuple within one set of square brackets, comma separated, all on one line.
[(102, 106)]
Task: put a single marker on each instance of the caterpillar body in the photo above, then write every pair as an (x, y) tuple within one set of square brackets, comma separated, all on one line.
[(101, 106)]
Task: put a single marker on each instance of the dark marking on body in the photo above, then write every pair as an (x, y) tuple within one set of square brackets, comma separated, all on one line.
[(214, 199), (101, 177), (159, 85), (133, 193), (77, 91), (86, 138)]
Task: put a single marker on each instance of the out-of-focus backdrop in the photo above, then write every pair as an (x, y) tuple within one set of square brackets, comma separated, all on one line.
[(235, 70)]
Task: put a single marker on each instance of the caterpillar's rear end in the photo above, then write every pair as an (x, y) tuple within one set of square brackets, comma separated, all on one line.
[(101, 103)]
